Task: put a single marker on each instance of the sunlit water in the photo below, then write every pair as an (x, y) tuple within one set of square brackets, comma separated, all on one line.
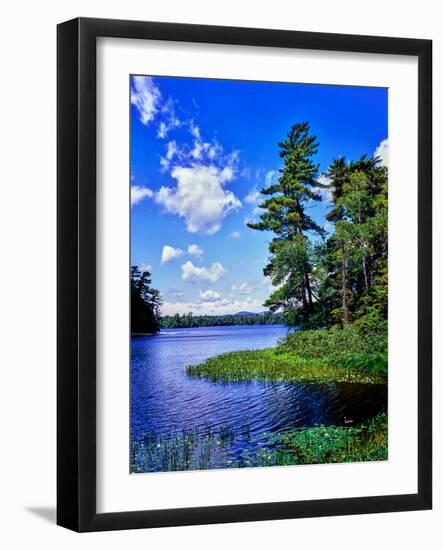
[(166, 401)]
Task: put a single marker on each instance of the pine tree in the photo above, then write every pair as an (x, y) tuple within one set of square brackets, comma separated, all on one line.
[(290, 264), (145, 303), (338, 173)]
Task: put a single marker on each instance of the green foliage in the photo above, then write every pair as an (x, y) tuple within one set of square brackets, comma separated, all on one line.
[(333, 444), (361, 346), (368, 335), (333, 287), (280, 365), (357, 251), (284, 213), (373, 363), (145, 303), (189, 320), (353, 353), (344, 277)]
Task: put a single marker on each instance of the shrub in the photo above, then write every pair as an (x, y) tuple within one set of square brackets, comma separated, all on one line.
[(361, 346), (359, 337)]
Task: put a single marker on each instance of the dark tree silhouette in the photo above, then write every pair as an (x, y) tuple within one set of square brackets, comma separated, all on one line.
[(145, 303)]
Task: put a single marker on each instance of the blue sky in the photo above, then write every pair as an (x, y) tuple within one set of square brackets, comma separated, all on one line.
[(201, 150)]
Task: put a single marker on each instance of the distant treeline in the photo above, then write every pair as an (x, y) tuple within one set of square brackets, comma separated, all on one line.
[(146, 318), (189, 320)]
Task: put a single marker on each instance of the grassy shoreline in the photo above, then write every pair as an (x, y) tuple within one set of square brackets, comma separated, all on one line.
[(274, 365), (352, 354)]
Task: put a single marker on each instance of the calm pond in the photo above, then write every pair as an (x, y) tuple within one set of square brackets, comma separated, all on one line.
[(172, 410)]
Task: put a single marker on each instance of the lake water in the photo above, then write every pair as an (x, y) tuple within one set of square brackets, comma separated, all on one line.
[(166, 401)]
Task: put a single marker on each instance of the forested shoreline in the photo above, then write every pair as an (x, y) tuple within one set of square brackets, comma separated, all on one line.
[(331, 283), (324, 276), (188, 320)]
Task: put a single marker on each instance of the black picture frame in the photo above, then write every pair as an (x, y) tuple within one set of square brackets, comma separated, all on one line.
[(76, 282)]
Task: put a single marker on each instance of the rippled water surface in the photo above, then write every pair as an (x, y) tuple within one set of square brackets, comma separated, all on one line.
[(165, 400)]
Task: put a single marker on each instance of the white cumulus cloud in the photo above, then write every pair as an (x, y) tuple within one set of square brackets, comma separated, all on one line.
[(138, 193), (173, 293), (253, 197), (325, 193), (145, 267), (323, 179), (200, 197), (235, 235), (195, 274), (242, 288), (170, 253), (211, 150), (209, 295), (195, 250), (217, 307), (382, 151), (146, 96)]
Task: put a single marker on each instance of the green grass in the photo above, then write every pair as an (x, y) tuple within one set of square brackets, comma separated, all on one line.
[(352, 354), (278, 365)]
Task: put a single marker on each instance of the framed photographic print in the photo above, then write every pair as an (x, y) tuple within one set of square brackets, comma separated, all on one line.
[(244, 274)]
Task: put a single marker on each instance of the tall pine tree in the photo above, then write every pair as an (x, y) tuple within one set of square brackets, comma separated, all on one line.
[(290, 264)]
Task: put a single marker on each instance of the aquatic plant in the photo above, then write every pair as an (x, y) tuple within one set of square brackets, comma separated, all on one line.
[(278, 365), (184, 450), (333, 444), (225, 448)]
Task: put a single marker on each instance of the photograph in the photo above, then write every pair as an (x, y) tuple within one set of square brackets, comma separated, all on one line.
[(258, 273), (232, 334)]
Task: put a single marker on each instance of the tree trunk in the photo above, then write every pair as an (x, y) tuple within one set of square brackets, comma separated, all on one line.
[(344, 290), (365, 273), (303, 293), (308, 288)]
